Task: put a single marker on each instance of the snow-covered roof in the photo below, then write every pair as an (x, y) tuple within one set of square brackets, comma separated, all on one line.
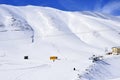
[(116, 47)]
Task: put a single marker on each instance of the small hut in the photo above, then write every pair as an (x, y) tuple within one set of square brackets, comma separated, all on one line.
[(26, 57), (53, 58), (116, 50)]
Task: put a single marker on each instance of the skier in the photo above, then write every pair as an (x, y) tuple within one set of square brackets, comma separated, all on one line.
[(74, 69)]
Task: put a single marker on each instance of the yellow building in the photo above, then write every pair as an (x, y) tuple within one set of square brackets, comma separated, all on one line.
[(116, 50), (53, 58)]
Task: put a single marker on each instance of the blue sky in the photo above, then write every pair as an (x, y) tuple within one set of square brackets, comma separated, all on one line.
[(104, 6)]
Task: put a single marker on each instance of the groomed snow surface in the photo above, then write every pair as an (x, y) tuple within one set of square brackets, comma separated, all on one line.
[(41, 32)]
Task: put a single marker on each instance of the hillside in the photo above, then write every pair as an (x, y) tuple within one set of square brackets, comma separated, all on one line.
[(41, 32)]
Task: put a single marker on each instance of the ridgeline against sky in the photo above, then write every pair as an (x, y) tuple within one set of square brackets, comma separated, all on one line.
[(104, 6)]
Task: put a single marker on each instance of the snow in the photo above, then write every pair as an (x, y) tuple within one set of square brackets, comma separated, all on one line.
[(41, 32)]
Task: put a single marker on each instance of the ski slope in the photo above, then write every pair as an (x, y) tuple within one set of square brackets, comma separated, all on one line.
[(41, 32)]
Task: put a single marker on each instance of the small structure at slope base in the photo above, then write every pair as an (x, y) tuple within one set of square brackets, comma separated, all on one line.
[(26, 57), (53, 58), (116, 50)]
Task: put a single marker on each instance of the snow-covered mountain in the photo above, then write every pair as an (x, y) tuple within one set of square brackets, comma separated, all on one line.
[(13, 26), (72, 36)]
